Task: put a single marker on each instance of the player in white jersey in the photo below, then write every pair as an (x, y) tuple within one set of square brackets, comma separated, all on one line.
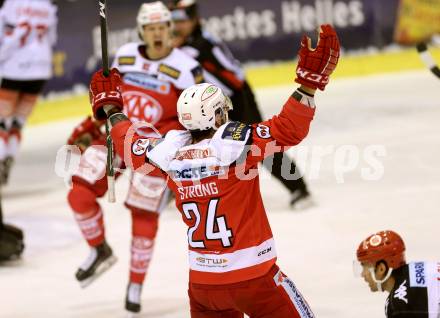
[(213, 171), (27, 35), (414, 288), (154, 74)]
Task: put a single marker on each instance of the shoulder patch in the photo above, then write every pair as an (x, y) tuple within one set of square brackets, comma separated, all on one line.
[(263, 131), (168, 70), (197, 72), (127, 60), (140, 146), (235, 131)]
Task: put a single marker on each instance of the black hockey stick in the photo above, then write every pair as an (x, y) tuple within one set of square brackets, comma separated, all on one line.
[(427, 59), (106, 71)]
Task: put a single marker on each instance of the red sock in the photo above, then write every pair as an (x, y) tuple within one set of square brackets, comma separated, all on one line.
[(144, 229), (88, 214)]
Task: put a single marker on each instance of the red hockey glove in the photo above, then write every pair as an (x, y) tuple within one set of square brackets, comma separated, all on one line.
[(316, 65), (105, 91), (85, 133)]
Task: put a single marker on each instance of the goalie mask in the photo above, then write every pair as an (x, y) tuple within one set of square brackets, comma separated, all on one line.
[(198, 106)]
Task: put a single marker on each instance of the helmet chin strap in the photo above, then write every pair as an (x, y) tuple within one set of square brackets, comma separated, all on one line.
[(380, 282)]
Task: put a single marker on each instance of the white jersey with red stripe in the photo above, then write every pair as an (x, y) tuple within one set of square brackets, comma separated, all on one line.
[(152, 87), (216, 185), (28, 33)]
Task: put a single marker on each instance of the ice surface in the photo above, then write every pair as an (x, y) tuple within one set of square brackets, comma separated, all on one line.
[(316, 247)]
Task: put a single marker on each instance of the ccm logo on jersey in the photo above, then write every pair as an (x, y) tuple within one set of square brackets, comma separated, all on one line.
[(263, 131), (140, 147), (267, 250), (417, 275), (168, 70)]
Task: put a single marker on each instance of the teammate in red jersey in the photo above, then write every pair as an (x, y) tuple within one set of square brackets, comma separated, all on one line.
[(154, 74), (212, 169)]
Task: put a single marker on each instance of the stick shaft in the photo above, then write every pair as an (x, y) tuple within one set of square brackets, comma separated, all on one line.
[(104, 42), (106, 71)]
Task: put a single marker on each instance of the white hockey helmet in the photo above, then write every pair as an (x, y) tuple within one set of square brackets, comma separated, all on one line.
[(198, 105), (153, 12)]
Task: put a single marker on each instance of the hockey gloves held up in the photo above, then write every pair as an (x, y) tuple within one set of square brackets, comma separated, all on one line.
[(315, 65), (105, 91)]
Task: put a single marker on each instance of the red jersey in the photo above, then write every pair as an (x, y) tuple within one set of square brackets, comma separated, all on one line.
[(151, 88), (217, 190)]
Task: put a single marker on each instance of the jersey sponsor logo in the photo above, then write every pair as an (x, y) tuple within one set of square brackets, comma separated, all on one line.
[(263, 132), (140, 146), (198, 190), (401, 292), (168, 70), (235, 131), (141, 107), (196, 173), (197, 72), (126, 60), (211, 262), (209, 92), (147, 82), (417, 274), (193, 154)]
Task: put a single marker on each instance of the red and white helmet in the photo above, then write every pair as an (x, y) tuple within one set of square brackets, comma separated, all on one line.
[(153, 12), (198, 105), (384, 245)]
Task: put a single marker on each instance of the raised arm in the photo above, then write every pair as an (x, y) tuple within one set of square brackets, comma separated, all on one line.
[(292, 124)]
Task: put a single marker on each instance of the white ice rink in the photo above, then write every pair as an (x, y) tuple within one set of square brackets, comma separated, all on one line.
[(316, 247)]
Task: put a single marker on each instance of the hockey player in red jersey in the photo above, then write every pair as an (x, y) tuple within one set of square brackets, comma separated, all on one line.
[(154, 74), (213, 172), (414, 288)]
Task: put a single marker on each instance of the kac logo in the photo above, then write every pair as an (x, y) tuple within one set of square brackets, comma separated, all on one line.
[(141, 107)]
